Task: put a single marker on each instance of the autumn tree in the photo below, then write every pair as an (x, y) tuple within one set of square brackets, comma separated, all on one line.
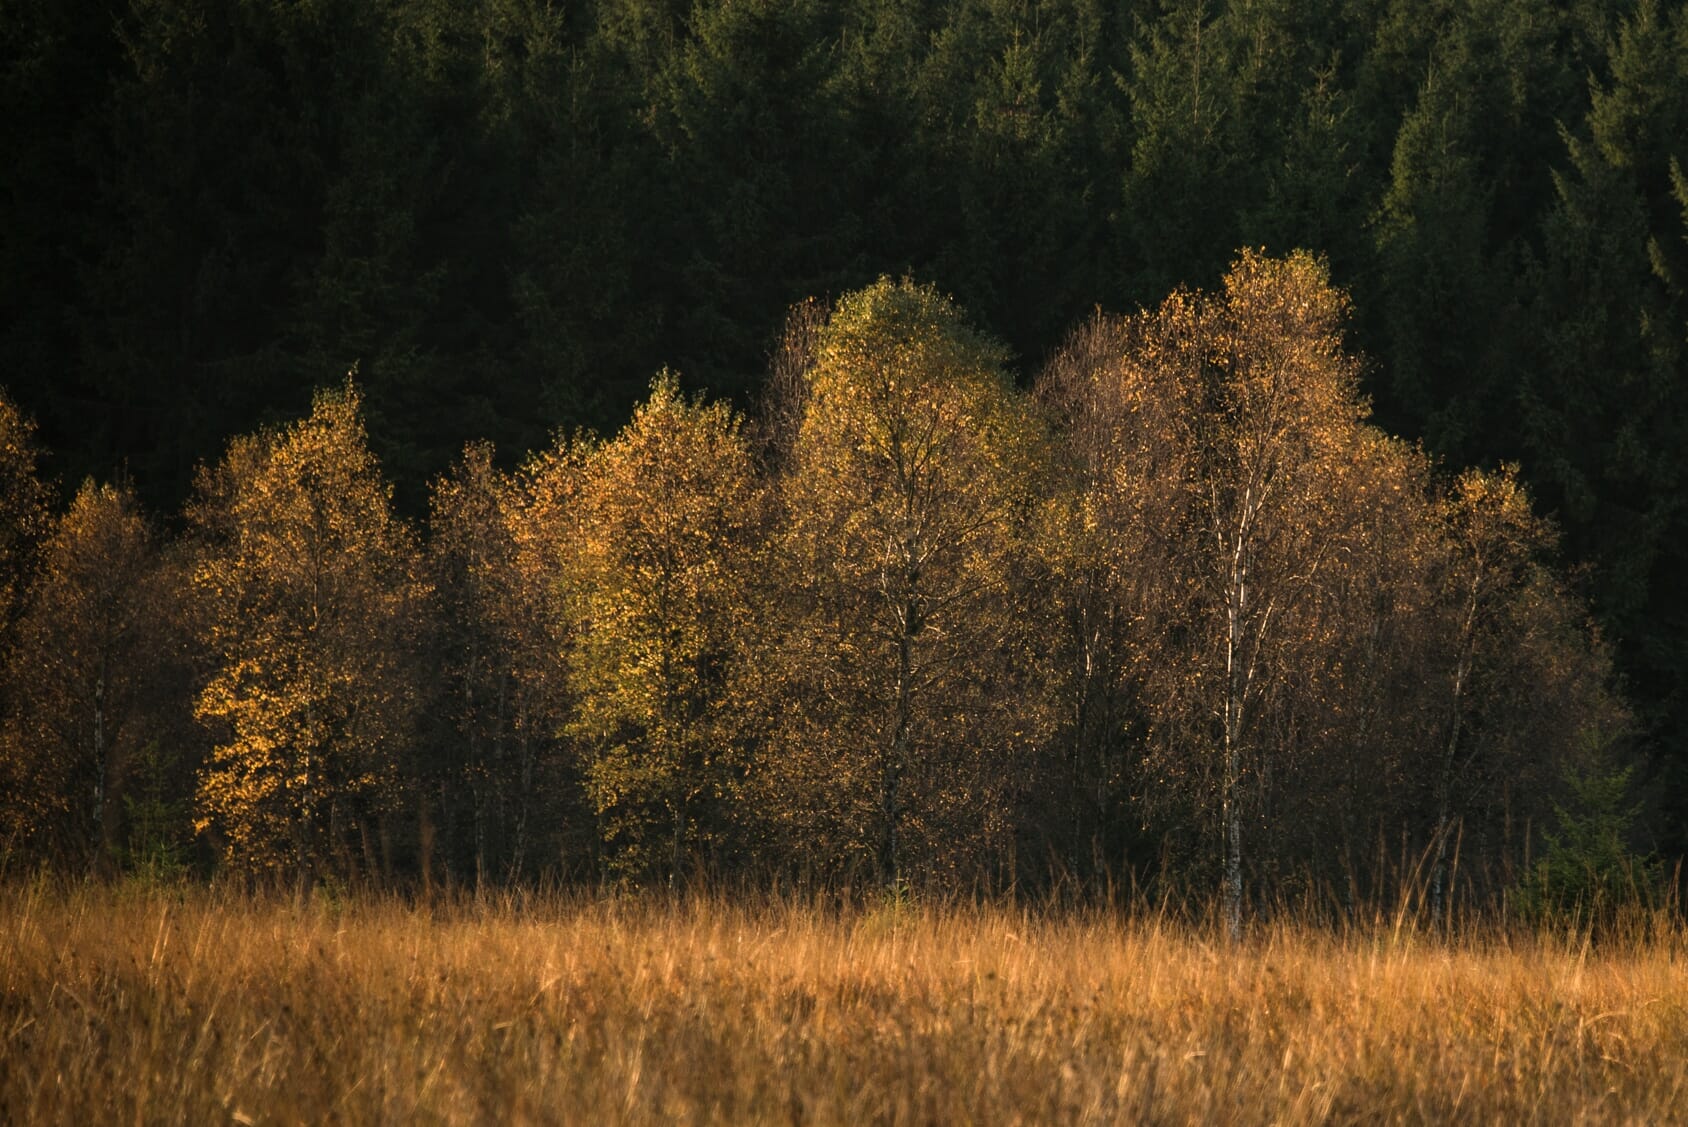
[(496, 553), (907, 654), (469, 560), (659, 588), (1525, 689), (1277, 596), (23, 519), (311, 587), (1107, 556), (1363, 708), (1219, 439), (1270, 454), (91, 671), (23, 506), (785, 392), (1492, 536)]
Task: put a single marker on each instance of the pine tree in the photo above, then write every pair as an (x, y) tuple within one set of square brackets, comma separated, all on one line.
[(1602, 413)]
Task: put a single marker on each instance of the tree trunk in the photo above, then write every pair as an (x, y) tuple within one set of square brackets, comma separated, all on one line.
[(100, 781), (1235, 687), (1450, 750), (1233, 833), (897, 756), (1444, 797), (478, 775)]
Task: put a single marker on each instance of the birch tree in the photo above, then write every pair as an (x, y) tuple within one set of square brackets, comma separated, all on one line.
[(659, 586), (312, 589), (499, 554), (501, 647), (1524, 687), (1363, 706), (1218, 432), (907, 654), (23, 507), (1120, 463), (90, 667)]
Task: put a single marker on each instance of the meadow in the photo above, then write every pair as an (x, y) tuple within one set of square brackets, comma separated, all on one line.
[(136, 1004)]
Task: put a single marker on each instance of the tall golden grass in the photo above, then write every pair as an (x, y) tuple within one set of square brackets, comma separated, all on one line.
[(199, 1006)]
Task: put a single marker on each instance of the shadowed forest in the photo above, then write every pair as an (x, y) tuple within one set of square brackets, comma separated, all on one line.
[(810, 443)]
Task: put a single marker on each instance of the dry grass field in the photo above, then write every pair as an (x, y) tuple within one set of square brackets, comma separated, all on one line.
[(141, 1006)]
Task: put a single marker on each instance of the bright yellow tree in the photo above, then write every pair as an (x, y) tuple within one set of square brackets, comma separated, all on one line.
[(906, 651), (668, 518), (311, 590)]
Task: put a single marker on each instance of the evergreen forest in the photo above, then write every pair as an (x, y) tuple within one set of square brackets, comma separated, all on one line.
[(1229, 446)]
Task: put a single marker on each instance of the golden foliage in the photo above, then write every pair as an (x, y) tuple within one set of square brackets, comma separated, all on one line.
[(1275, 585), (311, 584), (659, 583), (494, 551), (913, 620), (84, 672), (906, 650), (23, 505)]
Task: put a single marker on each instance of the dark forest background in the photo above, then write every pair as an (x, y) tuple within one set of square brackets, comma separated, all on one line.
[(508, 214)]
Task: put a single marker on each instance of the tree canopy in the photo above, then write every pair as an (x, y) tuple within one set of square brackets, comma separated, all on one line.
[(509, 213)]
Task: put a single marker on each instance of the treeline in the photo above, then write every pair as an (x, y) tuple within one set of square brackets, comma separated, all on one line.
[(509, 212), (1179, 614)]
